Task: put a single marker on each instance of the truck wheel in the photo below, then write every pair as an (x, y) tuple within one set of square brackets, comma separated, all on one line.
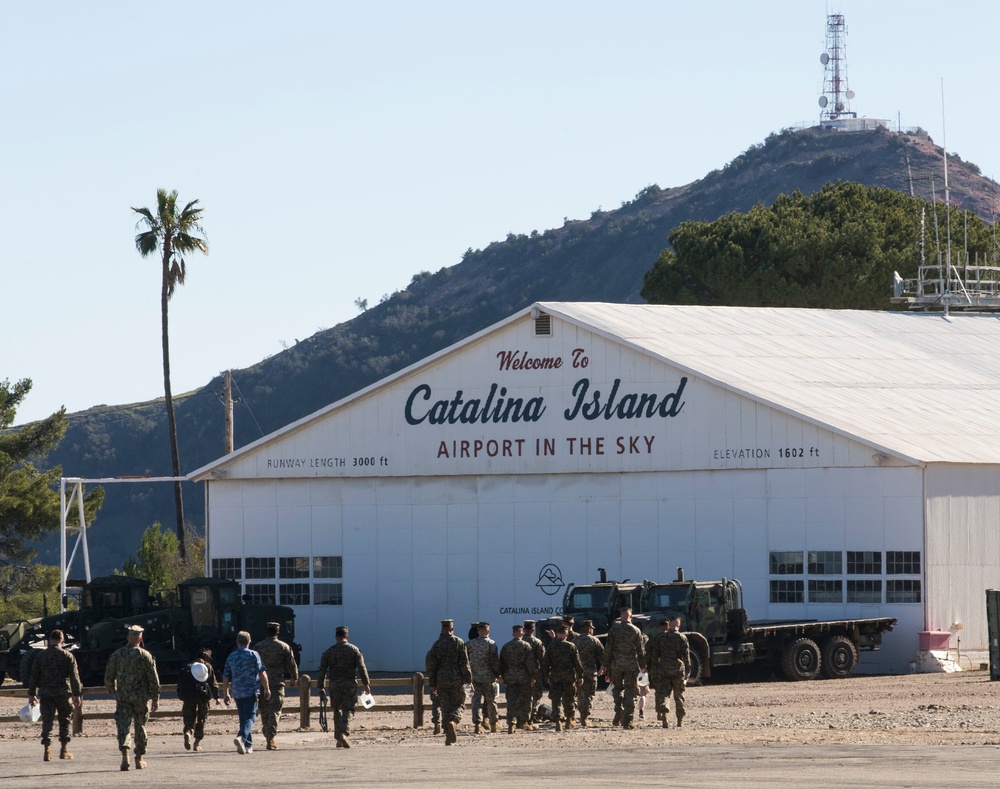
[(840, 657), (695, 678), (24, 669), (801, 660)]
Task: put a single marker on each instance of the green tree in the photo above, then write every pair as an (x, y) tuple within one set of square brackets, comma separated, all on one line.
[(28, 591), (29, 501), (171, 233), (158, 559)]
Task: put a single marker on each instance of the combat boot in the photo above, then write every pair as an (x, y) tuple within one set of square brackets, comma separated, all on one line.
[(140, 763), (510, 728), (618, 719), (64, 752), (570, 723), (493, 725), (476, 730), (187, 739), (125, 764), (583, 721), (558, 724), (450, 736), (344, 742), (197, 744), (680, 722), (47, 756), (629, 724), (437, 728), (271, 744)]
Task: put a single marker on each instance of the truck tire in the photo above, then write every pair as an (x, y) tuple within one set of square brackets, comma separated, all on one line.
[(695, 678), (801, 660), (24, 669), (840, 657)]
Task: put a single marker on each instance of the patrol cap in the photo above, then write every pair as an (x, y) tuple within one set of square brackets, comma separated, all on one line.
[(341, 631), (273, 624), (134, 629), (586, 623), (529, 622)]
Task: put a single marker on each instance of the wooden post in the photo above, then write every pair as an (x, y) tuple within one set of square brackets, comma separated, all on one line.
[(305, 683), (418, 700)]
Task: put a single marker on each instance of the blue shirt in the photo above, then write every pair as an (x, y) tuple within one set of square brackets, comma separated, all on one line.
[(243, 669)]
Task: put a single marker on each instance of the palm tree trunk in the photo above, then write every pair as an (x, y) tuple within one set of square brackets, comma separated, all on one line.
[(175, 456)]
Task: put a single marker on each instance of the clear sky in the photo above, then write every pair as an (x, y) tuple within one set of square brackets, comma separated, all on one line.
[(340, 148)]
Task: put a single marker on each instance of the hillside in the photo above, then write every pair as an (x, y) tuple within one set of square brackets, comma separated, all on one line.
[(602, 258)]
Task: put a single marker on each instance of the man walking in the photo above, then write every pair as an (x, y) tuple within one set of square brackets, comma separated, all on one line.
[(448, 673), (484, 660), (279, 662), (623, 660), (564, 673), (54, 679), (196, 688), (538, 648), (344, 664), (245, 671), (132, 679), (669, 661), (519, 672), (591, 657)]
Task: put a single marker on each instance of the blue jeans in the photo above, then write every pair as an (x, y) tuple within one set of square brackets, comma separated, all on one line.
[(247, 710)]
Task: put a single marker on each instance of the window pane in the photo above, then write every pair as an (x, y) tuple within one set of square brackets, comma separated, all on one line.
[(902, 591), (259, 594), (902, 562), (328, 567), (826, 591), (328, 594), (227, 568), (864, 591), (294, 594), (864, 562), (260, 567), (786, 591), (786, 563), (293, 567), (825, 563)]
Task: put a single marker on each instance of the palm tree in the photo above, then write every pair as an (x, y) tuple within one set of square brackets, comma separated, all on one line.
[(172, 234)]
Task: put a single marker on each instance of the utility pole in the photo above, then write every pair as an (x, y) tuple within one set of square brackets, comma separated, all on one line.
[(227, 401)]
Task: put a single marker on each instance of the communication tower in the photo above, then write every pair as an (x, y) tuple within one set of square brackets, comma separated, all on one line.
[(835, 103)]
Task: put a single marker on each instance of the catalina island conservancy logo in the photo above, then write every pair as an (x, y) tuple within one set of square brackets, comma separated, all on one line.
[(550, 579)]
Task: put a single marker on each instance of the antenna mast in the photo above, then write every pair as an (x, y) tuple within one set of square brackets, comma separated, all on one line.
[(835, 103)]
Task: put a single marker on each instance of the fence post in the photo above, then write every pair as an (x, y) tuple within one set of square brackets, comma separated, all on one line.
[(305, 683), (418, 700)]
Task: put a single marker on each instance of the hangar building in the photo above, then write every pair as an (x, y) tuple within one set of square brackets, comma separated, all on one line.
[(838, 463)]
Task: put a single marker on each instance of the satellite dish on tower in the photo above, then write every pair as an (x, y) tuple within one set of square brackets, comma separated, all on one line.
[(840, 106), (850, 94), (824, 58), (822, 101)]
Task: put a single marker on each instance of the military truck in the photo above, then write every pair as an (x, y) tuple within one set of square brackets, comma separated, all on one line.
[(722, 636), (207, 613), (600, 602)]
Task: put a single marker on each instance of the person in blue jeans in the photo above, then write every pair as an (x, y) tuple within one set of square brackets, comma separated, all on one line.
[(245, 672)]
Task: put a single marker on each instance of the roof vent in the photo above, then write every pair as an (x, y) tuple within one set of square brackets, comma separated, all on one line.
[(543, 325)]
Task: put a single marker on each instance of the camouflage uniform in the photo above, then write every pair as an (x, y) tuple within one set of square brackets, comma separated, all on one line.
[(563, 669), (278, 660), (591, 656), (435, 701), (669, 661), (343, 663), (131, 678), (484, 661), (538, 648), (518, 668), (448, 672), (54, 678), (623, 659)]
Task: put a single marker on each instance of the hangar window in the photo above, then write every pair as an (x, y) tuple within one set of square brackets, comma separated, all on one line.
[(864, 562), (786, 562), (864, 591), (902, 562), (787, 591), (260, 567), (293, 567), (294, 594), (259, 594), (826, 591), (902, 591), (826, 563), (328, 594), (227, 568), (328, 567)]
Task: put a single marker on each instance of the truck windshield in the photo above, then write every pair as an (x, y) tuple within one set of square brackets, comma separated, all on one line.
[(588, 599), (669, 597)]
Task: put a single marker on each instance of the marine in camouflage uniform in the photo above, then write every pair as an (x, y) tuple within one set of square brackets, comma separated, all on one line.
[(623, 660), (519, 670), (132, 679), (591, 656), (278, 661), (669, 661), (484, 661), (54, 679), (448, 673), (343, 663), (564, 672), (435, 701), (538, 689)]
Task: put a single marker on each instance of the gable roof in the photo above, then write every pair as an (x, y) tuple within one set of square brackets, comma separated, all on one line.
[(923, 387)]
